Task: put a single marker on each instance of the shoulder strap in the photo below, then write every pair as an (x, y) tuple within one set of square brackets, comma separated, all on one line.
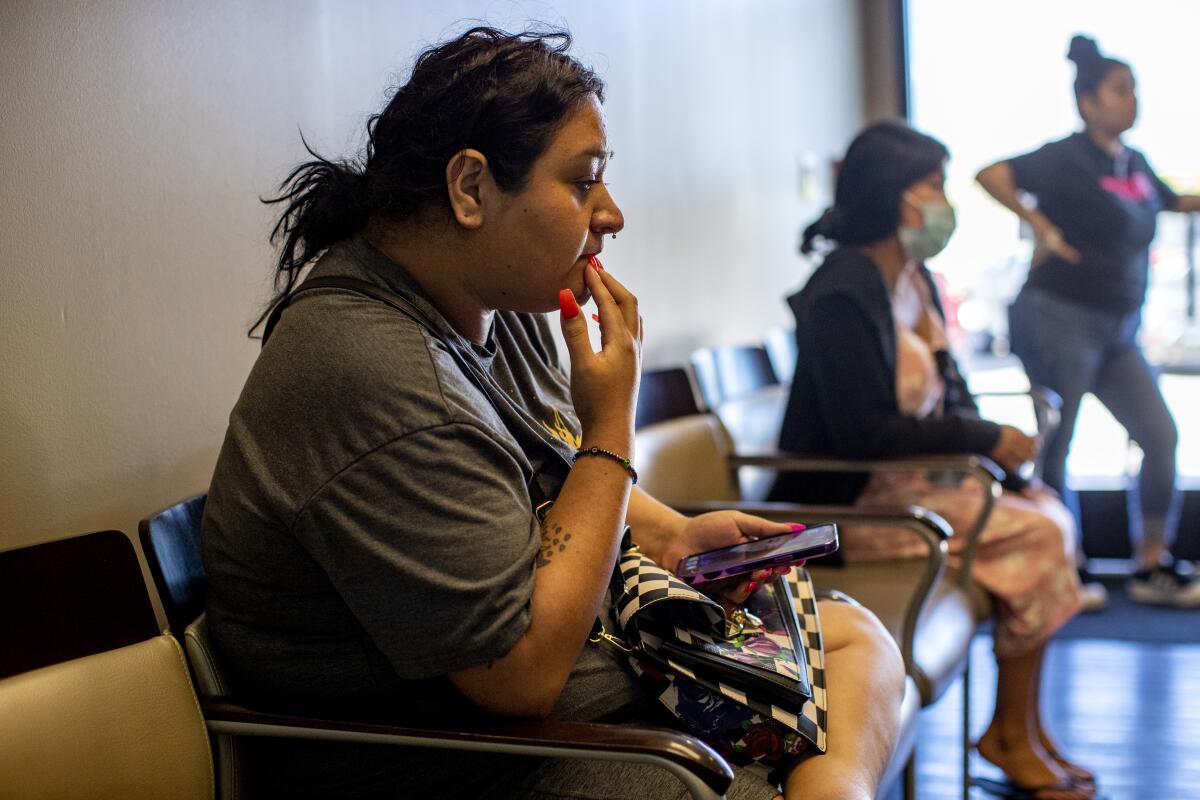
[(515, 418)]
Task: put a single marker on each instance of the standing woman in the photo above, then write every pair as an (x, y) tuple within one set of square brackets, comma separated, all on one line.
[(1075, 322), (875, 379)]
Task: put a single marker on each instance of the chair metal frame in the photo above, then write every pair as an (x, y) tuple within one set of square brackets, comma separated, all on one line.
[(973, 467), (702, 771)]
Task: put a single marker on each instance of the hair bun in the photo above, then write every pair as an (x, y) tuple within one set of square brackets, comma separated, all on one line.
[(1084, 51)]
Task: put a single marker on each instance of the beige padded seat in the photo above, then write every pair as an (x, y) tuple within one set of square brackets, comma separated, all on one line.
[(947, 623), (684, 461), (124, 723), (684, 464)]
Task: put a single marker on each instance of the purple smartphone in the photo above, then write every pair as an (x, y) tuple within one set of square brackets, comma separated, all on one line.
[(770, 551)]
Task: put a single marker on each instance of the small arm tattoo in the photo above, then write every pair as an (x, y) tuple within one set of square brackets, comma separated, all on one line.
[(554, 540)]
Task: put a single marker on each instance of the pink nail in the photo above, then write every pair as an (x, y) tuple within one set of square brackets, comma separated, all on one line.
[(796, 526)]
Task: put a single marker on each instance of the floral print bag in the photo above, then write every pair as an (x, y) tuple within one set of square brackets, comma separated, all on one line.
[(753, 686)]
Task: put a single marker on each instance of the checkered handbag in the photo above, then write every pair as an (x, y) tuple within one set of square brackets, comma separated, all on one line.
[(754, 696)]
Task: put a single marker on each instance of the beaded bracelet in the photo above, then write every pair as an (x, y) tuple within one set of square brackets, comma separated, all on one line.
[(600, 451)]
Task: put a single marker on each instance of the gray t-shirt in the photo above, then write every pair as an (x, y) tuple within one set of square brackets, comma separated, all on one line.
[(370, 528)]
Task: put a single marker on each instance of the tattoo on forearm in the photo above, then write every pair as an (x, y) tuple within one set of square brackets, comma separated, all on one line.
[(554, 540)]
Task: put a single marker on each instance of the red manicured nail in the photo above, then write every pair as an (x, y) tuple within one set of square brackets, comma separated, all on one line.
[(796, 526), (751, 586), (595, 262), (596, 317), (567, 304)]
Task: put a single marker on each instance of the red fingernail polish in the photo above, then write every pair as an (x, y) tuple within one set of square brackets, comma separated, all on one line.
[(596, 262), (596, 317), (567, 304), (751, 586), (796, 526)]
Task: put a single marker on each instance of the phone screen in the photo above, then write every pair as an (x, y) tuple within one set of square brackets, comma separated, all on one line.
[(770, 551)]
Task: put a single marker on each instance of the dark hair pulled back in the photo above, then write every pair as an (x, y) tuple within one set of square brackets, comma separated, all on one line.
[(880, 164), (1091, 66), (503, 94)]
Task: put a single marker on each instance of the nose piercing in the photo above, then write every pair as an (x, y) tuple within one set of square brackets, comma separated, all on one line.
[(614, 236)]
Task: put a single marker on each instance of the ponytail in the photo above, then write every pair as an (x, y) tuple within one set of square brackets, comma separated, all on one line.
[(326, 203), (826, 227), (502, 94)]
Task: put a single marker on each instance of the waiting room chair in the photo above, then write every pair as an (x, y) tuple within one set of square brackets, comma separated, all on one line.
[(685, 463), (94, 702), (942, 653), (171, 537), (171, 541), (665, 394), (725, 372), (952, 612), (780, 344), (121, 723), (122, 720)]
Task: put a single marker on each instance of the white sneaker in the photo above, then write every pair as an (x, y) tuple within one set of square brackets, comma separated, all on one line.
[(1164, 586)]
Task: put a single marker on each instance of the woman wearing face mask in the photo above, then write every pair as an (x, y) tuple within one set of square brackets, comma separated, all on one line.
[(1076, 320), (875, 378)]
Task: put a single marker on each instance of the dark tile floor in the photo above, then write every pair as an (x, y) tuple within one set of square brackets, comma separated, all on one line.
[(1129, 710)]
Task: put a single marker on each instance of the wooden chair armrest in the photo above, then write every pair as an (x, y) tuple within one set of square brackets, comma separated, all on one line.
[(1041, 396), (932, 529), (1047, 410), (975, 467), (697, 765)]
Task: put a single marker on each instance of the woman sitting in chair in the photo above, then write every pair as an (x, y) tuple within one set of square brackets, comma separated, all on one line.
[(875, 379), (371, 535)]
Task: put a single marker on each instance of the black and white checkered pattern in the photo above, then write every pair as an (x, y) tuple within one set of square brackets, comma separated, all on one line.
[(698, 617), (646, 583), (815, 711)]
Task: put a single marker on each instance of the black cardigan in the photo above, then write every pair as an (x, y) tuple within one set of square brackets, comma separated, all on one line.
[(843, 395)]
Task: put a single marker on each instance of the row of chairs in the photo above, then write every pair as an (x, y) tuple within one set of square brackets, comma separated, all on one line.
[(95, 699), (725, 408)]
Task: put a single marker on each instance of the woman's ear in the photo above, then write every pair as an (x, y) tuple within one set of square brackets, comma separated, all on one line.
[(910, 215), (1086, 103), (468, 180)]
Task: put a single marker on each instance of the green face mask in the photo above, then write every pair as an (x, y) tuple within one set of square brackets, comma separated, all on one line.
[(930, 239)]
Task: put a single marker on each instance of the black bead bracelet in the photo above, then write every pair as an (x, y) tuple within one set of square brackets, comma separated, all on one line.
[(600, 451)]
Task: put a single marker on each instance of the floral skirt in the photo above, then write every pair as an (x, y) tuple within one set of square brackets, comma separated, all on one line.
[(1025, 558)]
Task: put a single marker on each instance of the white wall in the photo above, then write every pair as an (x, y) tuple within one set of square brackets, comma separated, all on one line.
[(136, 137)]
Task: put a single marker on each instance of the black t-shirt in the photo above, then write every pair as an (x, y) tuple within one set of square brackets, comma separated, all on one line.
[(843, 396), (1106, 207)]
